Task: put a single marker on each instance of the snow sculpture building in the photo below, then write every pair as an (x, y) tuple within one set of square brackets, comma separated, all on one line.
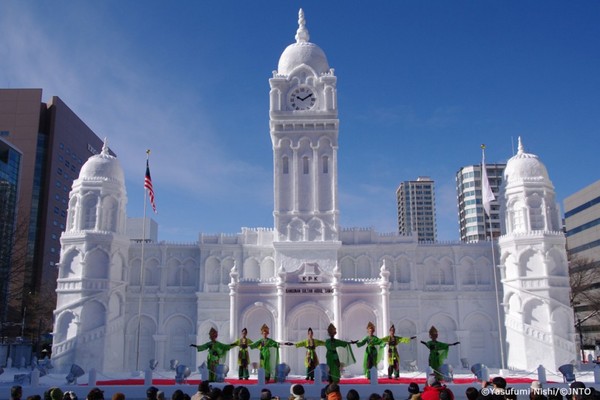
[(305, 272), (535, 277)]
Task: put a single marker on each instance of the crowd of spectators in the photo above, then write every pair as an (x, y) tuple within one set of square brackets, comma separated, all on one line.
[(496, 389)]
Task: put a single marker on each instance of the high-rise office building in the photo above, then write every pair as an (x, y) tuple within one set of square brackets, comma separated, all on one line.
[(582, 226), (10, 167), (474, 224), (416, 209), (54, 143)]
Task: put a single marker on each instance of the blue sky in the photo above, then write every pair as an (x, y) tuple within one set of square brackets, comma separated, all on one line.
[(421, 84)]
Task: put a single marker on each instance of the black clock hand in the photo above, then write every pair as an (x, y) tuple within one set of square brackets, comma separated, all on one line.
[(306, 97)]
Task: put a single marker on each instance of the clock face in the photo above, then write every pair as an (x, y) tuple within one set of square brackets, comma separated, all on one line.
[(302, 98)]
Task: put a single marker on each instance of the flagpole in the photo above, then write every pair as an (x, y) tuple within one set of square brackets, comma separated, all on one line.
[(142, 263), (489, 218)]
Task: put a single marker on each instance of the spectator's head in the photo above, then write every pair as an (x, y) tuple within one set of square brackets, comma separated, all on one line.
[(244, 393), (177, 395), (16, 392), (236, 392), (333, 388), (95, 394), (216, 393), (577, 385), (374, 396), (576, 390), (352, 395), (265, 394), (413, 388), (499, 382), (118, 396), (69, 395), (445, 394), (56, 394), (387, 395), (297, 391), (48, 392), (228, 392), (472, 393), (151, 393), (204, 387), (160, 395)]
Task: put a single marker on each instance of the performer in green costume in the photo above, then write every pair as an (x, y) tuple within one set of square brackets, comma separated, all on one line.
[(243, 354), (438, 352), (311, 360), (393, 357), (372, 355), (338, 352), (216, 353), (268, 358)]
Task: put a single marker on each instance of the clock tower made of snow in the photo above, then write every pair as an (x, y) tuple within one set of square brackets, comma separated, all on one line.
[(304, 132)]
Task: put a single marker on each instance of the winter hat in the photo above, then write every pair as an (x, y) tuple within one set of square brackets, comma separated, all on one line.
[(413, 388)]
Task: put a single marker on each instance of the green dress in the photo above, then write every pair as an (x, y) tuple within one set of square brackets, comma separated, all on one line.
[(372, 355), (438, 352), (243, 356), (216, 355), (392, 353), (311, 360), (267, 357), (338, 352)]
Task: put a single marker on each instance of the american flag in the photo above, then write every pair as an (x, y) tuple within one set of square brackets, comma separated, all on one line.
[(148, 186)]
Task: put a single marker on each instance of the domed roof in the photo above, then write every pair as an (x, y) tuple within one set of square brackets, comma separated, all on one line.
[(102, 165), (302, 52), (524, 166)]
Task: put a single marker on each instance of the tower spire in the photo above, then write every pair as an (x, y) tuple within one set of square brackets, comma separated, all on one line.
[(105, 146), (520, 148), (302, 33)]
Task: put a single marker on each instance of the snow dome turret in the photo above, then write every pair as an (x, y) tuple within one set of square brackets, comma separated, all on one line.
[(102, 165), (302, 52), (528, 198), (98, 198), (524, 166)]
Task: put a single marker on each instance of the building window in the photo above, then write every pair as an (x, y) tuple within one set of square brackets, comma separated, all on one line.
[(89, 213), (285, 165), (305, 165), (325, 164)]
